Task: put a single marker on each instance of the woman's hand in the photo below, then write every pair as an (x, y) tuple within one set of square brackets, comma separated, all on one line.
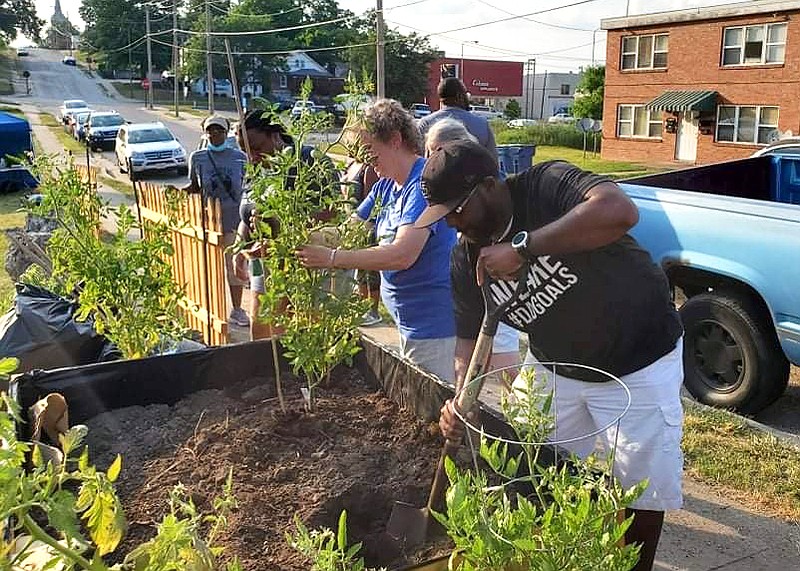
[(240, 266), (451, 426), (316, 256)]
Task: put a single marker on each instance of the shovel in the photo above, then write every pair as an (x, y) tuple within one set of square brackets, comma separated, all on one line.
[(408, 525)]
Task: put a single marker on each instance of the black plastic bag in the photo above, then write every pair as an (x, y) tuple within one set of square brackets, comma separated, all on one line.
[(42, 333)]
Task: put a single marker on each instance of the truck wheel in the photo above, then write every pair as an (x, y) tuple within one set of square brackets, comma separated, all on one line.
[(731, 355)]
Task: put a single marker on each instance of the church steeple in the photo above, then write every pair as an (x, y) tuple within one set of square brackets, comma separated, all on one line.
[(57, 12)]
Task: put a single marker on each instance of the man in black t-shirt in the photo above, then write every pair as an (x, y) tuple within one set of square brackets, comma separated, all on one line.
[(592, 297)]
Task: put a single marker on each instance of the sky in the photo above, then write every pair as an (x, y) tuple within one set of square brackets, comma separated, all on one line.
[(560, 40)]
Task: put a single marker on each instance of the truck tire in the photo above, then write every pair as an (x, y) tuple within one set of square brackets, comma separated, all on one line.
[(731, 355)]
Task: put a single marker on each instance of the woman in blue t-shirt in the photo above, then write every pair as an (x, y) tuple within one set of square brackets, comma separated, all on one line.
[(414, 263)]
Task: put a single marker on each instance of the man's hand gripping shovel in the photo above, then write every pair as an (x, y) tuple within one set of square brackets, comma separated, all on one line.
[(408, 525)]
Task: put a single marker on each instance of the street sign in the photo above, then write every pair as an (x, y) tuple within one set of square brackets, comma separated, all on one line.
[(26, 74), (145, 83)]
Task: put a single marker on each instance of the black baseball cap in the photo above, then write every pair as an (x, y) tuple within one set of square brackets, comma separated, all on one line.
[(450, 174)]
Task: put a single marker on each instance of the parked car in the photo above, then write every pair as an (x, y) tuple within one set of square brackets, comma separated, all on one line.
[(21, 52), (521, 123), (788, 146), (71, 106), (420, 110), (142, 147), (101, 128), (305, 106), (561, 118), (725, 235), (76, 124), (69, 60), (486, 112)]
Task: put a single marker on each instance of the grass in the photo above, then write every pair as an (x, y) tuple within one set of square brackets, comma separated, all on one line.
[(6, 72), (67, 141), (754, 467), (195, 103), (593, 162), (10, 217), (118, 185)]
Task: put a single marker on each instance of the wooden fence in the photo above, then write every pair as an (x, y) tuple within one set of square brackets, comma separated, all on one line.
[(199, 270), (87, 174)]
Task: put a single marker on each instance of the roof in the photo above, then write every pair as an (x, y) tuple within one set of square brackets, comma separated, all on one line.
[(307, 71), (753, 7), (684, 101)]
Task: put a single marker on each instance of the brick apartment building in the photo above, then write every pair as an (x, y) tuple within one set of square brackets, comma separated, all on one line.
[(701, 85)]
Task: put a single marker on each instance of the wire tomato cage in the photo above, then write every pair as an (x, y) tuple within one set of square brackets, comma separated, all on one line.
[(533, 395)]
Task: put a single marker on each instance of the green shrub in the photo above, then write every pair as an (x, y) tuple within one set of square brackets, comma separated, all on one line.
[(543, 134)]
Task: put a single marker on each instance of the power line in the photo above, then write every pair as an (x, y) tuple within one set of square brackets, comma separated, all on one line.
[(238, 14), (499, 9), (262, 32), (273, 53)]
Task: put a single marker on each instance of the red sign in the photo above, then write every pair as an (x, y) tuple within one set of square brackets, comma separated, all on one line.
[(145, 83), (482, 78)]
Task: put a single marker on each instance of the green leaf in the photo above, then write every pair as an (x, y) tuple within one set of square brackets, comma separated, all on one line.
[(61, 514), (8, 365), (113, 471), (341, 535)]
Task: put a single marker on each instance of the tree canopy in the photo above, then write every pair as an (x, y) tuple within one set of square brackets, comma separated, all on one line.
[(589, 93), (19, 16)]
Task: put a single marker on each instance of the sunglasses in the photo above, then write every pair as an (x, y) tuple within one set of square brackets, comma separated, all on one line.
[(458, 209)]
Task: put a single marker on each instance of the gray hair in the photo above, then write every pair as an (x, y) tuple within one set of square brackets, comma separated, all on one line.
[(447, 130), (386, 117)]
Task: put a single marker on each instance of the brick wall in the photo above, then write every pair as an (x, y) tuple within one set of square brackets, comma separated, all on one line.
[(694, 64)]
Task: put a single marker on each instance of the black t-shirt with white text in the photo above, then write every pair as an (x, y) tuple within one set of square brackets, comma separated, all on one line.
[(608, 308)]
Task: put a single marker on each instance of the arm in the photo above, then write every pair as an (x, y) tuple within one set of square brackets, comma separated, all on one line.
[(491, 146), (401, 254), (464, 350)]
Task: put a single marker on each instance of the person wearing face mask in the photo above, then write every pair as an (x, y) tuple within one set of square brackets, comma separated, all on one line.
[(591, 296), (218, 172)]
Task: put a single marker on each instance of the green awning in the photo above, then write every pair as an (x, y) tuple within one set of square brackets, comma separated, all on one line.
[(684, 101)]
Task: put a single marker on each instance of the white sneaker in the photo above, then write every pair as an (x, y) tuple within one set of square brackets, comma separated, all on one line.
[(370, 318), (239, 318)]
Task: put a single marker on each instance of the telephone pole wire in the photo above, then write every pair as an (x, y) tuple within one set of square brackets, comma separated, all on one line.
[(380, 48), (209, 74)]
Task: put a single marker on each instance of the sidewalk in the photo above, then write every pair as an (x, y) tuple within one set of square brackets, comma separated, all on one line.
[(710, 533)]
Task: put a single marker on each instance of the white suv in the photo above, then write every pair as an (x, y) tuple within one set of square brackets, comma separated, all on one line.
[(71, 107), (143, 147), (485, 111)]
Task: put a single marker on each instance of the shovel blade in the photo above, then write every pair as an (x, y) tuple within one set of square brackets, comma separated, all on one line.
[(408, 525)]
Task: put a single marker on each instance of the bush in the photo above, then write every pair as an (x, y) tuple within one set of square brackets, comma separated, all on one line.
[(513, 110), (543, 134)]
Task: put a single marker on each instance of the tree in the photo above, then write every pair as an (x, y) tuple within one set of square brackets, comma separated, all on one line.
[(111, 26), (338, 34), (19, 16), (407, 61), (589, 93), (512, 110)]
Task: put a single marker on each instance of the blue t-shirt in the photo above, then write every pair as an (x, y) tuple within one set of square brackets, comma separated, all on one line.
[(418, 298)]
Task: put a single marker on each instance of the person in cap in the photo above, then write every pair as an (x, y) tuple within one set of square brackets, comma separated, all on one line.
[(592, 296), (218, 171), (413, 261), (455, 105)]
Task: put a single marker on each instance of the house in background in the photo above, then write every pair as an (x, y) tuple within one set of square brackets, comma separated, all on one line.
[(286, 82), (701, 85), (545, 94)]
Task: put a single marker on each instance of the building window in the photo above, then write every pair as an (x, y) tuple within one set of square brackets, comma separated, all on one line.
[(638, 121), (746, 124), (283, 81), (754, 45), (645, 52), (565, 89)]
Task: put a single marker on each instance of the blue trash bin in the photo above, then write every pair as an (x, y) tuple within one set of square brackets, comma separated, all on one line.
[(515, 158)]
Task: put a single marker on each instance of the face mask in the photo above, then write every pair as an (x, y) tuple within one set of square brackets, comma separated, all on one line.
[(217, 148)]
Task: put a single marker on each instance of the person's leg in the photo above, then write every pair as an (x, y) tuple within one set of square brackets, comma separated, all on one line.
[(236, 296), (235, 285), (505, 353), (646, 445), (435, 356)]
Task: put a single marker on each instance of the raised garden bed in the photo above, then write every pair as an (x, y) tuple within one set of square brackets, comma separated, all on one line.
[(190, 418)]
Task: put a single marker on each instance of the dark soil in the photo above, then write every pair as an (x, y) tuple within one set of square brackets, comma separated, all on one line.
[(358, 452)]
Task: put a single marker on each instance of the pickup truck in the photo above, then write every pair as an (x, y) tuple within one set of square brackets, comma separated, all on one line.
[(728, 237), (15, 143)]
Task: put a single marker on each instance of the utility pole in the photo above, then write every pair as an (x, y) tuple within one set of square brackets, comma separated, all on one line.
[(380, 47), (209, 74), (175, 56), (149, 58), (531, 88), (544, 91)]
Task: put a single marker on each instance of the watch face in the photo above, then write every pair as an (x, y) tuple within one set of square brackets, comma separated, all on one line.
[(519, 239)]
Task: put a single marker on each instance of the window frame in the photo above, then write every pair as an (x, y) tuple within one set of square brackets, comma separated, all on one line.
[(765, 45), (283, 81), (756, 127), (635, 53), (565, 88), (632, 122)]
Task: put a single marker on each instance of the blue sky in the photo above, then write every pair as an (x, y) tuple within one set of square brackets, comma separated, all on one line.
[(557, 49)]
